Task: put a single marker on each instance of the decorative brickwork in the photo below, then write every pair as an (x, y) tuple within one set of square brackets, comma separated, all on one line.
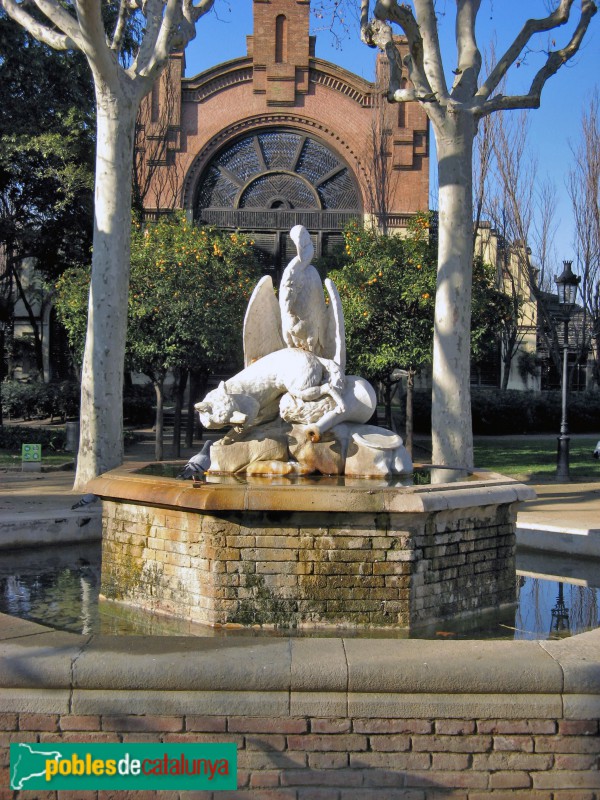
[(279, 84)]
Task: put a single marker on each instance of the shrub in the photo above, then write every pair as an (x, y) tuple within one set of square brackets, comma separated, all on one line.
[(13, 436), (496, 413), (38, 400), (18, 399), (139, 404)]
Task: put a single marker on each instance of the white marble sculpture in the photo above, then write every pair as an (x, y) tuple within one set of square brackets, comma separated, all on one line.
[(301, 318), (252, 396), (295, 359)]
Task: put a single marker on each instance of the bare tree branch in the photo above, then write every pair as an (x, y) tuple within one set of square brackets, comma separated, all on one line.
[(469, 57), (364, 22), (153, 13), (554, 61), (168, 32), (402, 15), (93, 40), (60, 17), (381, 178), (119, 31), (200, 9), (583, 186), (380, 35), (171, 27), (432, 55), (427, 78), (59, 41)]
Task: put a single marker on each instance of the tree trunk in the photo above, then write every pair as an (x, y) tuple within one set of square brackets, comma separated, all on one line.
[(198, 382), (159, 388), (506, 363), (31, 317), (387, 403), (410, 385), (182, 376), (2, 370), (101, 442), (452, 436)]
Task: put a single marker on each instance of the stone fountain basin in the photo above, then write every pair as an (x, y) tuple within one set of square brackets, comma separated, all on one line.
[(321, 493), (314, 552)]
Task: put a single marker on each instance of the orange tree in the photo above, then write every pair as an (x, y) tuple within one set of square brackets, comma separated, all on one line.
[(387, 285), (188, 291), (387, 288)]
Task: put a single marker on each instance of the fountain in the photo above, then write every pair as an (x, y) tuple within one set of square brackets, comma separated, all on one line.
[(307, 515)]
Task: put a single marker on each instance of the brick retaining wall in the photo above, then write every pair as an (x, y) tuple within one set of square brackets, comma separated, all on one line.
[(360, 758), (321, 719)]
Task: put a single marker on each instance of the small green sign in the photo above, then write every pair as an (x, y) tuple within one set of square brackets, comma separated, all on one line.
[(31, 452), (54, 766)]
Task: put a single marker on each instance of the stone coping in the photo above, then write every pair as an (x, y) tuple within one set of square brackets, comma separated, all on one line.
[(126, 484), (287, 673)]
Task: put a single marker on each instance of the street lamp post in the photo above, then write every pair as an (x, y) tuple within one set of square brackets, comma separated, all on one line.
[(559, 623), (566, 284)]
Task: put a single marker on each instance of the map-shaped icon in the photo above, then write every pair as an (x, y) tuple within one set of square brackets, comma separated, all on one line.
[(29, 761)]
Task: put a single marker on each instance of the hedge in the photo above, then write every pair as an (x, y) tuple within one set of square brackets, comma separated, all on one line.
[(37, 400), (13, 436), (510, 412), (494, 412)]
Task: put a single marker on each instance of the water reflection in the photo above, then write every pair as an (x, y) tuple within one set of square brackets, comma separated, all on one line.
[(422, 475), (60, 588), (551, 610)]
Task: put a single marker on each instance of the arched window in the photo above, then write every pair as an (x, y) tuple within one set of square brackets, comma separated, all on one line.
[(269, 180), (281, 33), (262, 169)]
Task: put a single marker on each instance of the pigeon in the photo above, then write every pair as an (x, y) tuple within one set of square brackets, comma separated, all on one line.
[(85, 501), (197, 465)]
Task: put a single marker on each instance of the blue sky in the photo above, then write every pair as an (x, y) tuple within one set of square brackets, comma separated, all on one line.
[(554, 126)]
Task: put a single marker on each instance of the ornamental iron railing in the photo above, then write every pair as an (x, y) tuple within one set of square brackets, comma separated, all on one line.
[(276, 219)]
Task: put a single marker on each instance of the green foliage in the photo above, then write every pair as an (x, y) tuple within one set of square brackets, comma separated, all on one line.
[(38, 400), (490, 312), (512, 412), (189, 288), (13, 436), (46, 150), (71, 304), (387, 287), (188, 293)]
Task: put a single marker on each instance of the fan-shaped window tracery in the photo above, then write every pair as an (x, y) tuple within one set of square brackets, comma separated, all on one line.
[(254, 170), (272, 179)]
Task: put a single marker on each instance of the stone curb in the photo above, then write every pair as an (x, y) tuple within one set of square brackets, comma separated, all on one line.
[(485, 488), (40, 528), (554, 539), (41, 668)]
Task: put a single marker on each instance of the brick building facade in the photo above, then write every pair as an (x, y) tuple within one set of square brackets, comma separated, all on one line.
[(279, 137)]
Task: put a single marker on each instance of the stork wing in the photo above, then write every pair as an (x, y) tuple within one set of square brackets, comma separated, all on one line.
[(336, 331), (262, 323)]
